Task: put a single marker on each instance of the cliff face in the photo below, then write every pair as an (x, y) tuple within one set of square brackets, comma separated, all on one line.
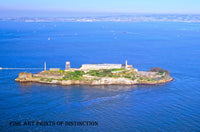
[(100, 81), (108, 81)]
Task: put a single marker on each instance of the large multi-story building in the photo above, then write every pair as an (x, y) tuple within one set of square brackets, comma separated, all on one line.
[(100, 66)]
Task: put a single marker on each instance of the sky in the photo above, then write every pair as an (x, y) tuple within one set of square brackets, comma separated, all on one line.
[(56, 7)]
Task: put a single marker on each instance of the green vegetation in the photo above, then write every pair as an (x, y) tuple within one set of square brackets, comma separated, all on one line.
[(109, 73), (46, 79), (127, 76), (118, 69), (116, 76), (159, 70), (133, 78), (95, 77), (152, 79), (61, 71), (100, 73), (76, 75), (49, 79), (114, 73), (160, 73)]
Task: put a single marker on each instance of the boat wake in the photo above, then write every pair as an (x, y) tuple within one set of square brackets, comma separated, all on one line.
[(96, 101)]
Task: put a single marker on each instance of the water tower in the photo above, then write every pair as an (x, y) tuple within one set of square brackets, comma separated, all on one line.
[(67, 66)]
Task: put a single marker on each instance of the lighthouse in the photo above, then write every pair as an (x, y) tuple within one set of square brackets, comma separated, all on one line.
[(45, 67), (126, 64)]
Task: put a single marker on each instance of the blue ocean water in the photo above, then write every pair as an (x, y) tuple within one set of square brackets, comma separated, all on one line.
[(170, 45)]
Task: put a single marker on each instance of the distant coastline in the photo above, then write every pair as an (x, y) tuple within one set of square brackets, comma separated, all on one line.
[(112, 18)]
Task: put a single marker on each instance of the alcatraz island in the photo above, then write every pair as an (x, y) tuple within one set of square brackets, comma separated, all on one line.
[(97, 74)]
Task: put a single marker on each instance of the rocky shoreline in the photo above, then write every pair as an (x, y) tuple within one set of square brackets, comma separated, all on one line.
[(68, 83), (97, 77)]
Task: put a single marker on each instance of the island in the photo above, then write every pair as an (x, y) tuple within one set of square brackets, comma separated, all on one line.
[(97, 74)]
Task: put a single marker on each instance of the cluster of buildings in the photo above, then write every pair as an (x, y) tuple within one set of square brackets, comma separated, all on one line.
[(86, 67)]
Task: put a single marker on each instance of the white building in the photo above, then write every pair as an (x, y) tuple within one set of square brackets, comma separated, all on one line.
[(100, 66)]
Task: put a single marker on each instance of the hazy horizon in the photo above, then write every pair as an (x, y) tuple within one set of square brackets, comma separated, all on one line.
[(63, 8)]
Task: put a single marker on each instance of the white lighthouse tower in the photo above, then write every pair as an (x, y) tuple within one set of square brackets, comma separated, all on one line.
[(45, 67), (126, 64)]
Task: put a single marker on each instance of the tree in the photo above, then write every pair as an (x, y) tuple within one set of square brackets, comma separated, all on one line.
[(158, 69)]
